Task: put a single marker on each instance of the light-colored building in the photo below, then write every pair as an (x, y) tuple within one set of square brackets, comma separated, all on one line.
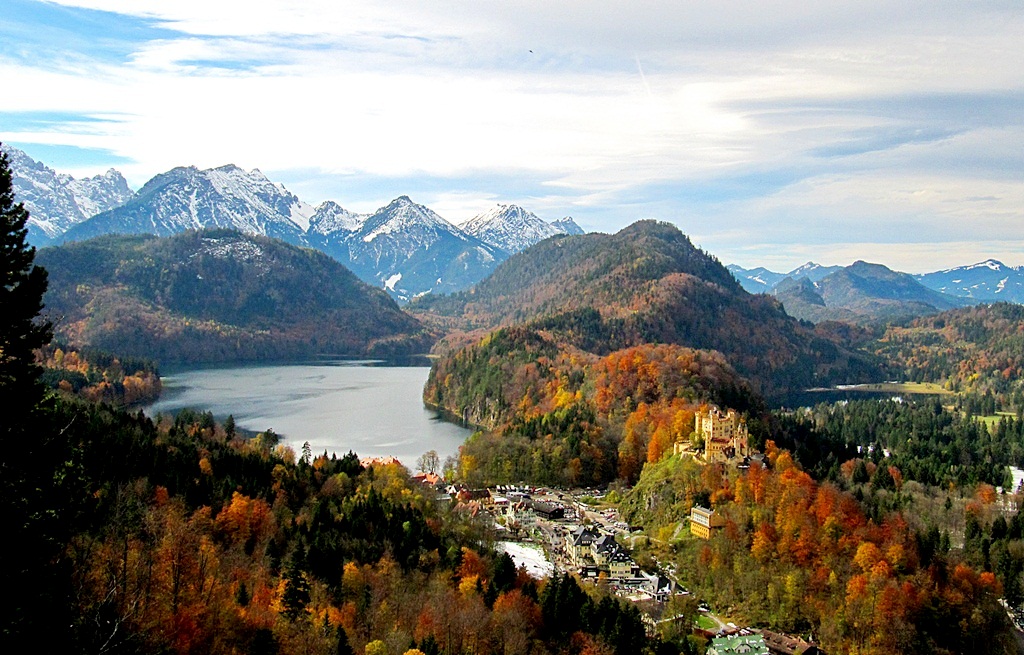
[(520, 516), (703, 521), (622, 566), (738, 645), (578, 545), (724, 433), (602, 548)]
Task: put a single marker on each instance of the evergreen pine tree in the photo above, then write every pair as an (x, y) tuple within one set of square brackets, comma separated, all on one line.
[(33, 455), (343, 648), (296, 589), (21, 297), (242, 595)]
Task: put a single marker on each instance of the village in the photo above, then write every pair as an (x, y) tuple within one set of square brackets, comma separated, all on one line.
[(549, 531)]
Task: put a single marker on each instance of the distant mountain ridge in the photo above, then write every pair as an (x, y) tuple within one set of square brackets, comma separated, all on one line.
[(513, 229), (404, 248), (186, 198), (990, 280), (862, 292), (410, 250), (762, 280), (56, 201)]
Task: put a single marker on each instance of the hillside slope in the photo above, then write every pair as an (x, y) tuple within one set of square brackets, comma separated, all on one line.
[(649, 284), (970, 350), (218, 295)]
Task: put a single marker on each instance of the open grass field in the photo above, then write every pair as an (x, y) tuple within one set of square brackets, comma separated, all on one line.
[(991, 420)]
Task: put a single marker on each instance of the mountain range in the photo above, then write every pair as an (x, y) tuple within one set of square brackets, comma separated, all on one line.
[(862, 292), (989, 281), (402, 247), (865, 292), (57, 201), (409, 250)]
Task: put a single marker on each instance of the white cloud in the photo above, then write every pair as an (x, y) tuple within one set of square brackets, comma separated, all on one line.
[(857, 119)]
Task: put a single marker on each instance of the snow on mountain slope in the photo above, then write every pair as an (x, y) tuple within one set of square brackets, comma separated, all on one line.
[(404, 247), (814, 272), (568, 226), (989, 280), (427, 252), (513, 229), (756, 280), (330, 218), (509, 227), (402, 216), (56, 201), (187, 198)]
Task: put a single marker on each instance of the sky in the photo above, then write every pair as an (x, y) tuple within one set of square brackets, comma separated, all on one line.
[(772, 132)]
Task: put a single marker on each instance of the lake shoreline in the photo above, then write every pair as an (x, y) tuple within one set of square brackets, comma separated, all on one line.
[(372, 407)]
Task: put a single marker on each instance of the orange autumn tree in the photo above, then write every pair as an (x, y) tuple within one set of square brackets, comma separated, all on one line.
[(802, 556)]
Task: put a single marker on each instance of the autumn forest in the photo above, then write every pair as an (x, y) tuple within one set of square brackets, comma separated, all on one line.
[(872, 525)]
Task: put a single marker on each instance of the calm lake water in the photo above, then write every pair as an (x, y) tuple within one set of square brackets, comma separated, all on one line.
[(371, 408)]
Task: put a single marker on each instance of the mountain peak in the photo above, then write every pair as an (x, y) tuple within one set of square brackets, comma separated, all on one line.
[(992, 264), (58, 202), (186, 198), (510, 228), (331, 218), (568, 226), (989, 280)]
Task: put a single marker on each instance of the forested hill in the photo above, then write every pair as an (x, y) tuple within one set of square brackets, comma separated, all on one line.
[(977, 350), (218, 295), (649, 284), (588, 270)]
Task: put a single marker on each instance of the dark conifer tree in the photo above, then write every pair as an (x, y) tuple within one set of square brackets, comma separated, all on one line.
[(31, 507), (296, 590), (343, 648), (21, 297)]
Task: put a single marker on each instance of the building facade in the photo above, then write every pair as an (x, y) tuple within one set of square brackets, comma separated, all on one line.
[(703, 522), (724, 433)]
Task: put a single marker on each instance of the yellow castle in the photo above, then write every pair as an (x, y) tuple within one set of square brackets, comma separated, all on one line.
[(724, 433)]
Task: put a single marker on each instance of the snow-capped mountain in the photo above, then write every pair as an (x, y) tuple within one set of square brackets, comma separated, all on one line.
[(568, 226), (187, 198), (410, 250), (330, 228), (813, 272), (404, 247), (756, 280), (988, 280), (512, 228), (331, 218), (761, 280), (56, 201)]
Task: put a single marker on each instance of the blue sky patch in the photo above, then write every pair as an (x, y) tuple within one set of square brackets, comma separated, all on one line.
[(60, 158), (35, 32)]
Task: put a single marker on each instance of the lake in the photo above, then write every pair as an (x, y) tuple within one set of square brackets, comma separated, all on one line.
[(372, 408)]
